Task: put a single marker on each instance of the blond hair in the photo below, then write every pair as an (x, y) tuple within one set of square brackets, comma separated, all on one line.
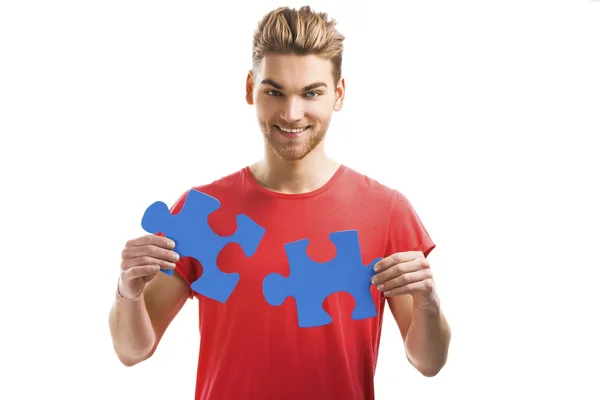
[(301, 32)]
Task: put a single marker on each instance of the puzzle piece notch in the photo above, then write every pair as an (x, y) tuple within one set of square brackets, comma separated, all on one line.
[(310, 282), (194, 237)]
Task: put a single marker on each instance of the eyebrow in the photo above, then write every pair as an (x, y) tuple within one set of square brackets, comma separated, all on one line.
[(276, 85)]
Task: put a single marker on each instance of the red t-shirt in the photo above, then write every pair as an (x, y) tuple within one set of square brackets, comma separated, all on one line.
[(252, 350)]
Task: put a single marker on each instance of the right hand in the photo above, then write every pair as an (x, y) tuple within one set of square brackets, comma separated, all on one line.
[(141, 260)]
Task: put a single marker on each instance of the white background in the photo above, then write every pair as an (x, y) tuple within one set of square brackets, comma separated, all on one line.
[(484, 114)]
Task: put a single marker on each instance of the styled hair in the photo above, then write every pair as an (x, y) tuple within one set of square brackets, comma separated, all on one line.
[(300, 32)]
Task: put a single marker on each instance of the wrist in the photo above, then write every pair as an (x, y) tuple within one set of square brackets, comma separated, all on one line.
[(126, 297), (430, 304)]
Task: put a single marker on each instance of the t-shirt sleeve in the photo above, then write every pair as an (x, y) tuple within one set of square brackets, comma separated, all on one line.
[(186, 267), (406, 231)]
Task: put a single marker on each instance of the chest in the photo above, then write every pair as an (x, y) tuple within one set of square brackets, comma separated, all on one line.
[(299, 240)]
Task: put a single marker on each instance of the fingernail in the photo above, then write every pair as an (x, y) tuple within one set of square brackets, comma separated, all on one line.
[(380, 287), (374, 281), (376, 268), (175, 256), (171, 244)]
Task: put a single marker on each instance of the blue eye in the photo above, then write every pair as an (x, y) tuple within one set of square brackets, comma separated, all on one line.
[(275, 93)]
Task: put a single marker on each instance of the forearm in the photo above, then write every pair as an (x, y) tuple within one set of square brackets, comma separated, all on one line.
[(131, 329), (428, 339)]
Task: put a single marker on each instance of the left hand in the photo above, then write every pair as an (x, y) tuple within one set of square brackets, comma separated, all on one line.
[(405, 273)]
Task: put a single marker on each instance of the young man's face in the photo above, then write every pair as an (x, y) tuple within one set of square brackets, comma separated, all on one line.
[(294, 98)]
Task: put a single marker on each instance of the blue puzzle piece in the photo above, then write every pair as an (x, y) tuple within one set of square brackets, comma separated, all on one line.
[(311, 282), (193, 237)]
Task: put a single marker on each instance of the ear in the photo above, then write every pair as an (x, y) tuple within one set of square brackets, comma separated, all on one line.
[(249, 88), (340, 93)]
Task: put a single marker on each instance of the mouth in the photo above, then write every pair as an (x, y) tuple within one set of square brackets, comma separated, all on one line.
[(292, 132)]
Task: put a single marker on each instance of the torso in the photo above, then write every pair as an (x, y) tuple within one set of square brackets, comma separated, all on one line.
[(250, 349)]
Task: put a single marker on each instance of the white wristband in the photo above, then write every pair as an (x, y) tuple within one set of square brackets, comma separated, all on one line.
[(120, 296)]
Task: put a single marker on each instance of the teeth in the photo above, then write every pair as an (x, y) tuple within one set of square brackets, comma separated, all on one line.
[(292, 130)]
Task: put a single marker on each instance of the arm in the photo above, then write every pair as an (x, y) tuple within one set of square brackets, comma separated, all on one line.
[(137, 326), (425, 332), (406, 280)]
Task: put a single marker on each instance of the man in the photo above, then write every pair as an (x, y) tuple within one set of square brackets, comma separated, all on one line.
[(250, 349)]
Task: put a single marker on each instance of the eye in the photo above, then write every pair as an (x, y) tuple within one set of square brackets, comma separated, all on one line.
[(315, 94), (272, 92)]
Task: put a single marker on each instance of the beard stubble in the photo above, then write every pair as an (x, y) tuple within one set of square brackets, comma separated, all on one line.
[(294, 149)]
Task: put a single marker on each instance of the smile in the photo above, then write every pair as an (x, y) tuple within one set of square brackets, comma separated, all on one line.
[(292, 133), (297, 130)]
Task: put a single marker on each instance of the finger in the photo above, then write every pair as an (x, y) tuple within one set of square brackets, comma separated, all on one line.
[(396, 270), (152, 251), (155, 240), (396, 258), (424, 287), (146, 260), (139, 271), (405, 279)]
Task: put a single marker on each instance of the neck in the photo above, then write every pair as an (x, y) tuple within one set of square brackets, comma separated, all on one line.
[(294, 177)]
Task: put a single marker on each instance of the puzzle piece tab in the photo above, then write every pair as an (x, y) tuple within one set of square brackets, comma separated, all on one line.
[(311, 282), (194, 237)]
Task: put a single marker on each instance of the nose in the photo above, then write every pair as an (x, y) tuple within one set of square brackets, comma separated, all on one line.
[(293, 110)]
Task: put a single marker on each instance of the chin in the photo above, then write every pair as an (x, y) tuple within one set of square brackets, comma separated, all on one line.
[(289, 155)]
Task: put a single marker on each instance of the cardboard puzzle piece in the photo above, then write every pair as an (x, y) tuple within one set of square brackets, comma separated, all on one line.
[(194, 237), (311, 282)]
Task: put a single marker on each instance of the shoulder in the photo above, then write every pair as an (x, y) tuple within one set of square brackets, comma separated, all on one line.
[(231, 181), (374, 188), (216, 188)]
